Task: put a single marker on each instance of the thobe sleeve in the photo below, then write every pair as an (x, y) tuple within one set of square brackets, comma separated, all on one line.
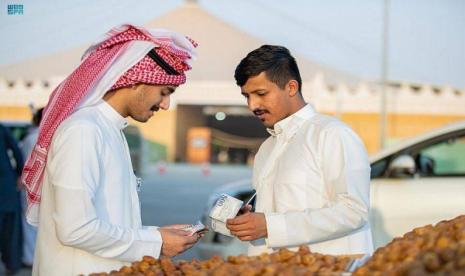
[(76, 163), (346, 173)]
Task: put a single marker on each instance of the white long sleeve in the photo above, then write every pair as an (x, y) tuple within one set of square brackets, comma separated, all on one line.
[(75, 182), (312, 178), (90, 217), (346, 175)]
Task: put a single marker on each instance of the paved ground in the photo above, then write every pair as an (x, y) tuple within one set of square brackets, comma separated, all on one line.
[(179, 195)]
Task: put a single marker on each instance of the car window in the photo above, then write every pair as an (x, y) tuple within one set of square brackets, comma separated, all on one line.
[(378, 168), (445, 158)]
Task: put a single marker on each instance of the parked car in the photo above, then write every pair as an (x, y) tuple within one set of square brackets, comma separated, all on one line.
[(416, 182)]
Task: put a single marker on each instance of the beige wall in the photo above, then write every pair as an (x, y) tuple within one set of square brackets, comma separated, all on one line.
[(187, 117), (399, 126), (161, 128), (15, 113)]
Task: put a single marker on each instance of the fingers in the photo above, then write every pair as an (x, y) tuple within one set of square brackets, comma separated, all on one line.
[(190, 241), (247, 208), (241, 222), (202, 232), (244, 210), (242, 233), (247, 235), (238, 227), (177, 243), (239, 219), (250, 226)]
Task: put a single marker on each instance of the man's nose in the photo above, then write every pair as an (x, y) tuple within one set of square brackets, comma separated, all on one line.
[(165, 103), (253, 103)]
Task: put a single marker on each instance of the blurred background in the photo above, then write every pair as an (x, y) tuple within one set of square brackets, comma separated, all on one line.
[(390, 69)]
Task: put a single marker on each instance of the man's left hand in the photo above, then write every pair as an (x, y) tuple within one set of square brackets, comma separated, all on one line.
[(248, 227)]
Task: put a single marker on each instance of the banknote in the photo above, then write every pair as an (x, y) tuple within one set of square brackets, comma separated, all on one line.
[(194, 228), (220, 227), (226, 207)]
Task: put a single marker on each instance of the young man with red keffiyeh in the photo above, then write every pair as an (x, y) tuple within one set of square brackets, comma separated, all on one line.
[(82, 192)]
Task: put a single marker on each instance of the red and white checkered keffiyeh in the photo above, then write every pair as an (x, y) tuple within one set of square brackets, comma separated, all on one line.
[(118, 60)]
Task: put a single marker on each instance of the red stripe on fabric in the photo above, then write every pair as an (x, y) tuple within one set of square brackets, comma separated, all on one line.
[(62, 103)]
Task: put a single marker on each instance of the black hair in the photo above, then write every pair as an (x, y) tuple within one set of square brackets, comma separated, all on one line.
[(276, 61), (37, 117)]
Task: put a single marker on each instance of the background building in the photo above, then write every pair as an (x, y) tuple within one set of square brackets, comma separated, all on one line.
[(210, 104)]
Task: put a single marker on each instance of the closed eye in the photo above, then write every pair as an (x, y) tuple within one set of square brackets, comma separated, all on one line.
[(168, 91)]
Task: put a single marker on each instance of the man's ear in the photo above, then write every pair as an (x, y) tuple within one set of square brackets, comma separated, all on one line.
[(292, 88)]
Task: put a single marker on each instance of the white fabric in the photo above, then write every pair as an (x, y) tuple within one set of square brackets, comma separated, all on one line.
[(29, 231), (176, 40), (312, 179), (134, 52), (90, 217)]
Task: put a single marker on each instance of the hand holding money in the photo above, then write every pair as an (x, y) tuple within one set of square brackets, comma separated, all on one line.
[(226, 207), (248, 227), (245, 209), (176, 241), (198, 228)]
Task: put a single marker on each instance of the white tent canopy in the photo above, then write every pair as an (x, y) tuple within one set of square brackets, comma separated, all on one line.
[(426, 38)]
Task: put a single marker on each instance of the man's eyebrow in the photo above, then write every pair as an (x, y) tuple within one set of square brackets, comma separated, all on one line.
[(254, 91), (170, 89)]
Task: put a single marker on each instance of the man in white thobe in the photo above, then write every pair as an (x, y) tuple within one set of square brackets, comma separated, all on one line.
[(311, 175), (82, 191)]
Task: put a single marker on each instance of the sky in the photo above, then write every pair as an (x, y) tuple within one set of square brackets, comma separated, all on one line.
[(426, 39)]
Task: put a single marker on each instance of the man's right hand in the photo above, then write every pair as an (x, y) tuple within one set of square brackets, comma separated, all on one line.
[(245, 209), (176, 241)]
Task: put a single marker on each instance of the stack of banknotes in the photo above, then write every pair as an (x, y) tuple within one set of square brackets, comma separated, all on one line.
[(226, 207), (194, 228)]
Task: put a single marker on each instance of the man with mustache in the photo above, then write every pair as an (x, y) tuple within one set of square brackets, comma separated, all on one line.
[(82, 191), (311, 175)]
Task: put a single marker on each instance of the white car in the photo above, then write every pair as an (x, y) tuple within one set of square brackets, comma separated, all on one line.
[(419, 181)]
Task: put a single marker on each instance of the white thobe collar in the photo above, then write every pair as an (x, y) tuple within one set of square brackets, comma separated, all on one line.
[(288, 125), (112, 115)]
